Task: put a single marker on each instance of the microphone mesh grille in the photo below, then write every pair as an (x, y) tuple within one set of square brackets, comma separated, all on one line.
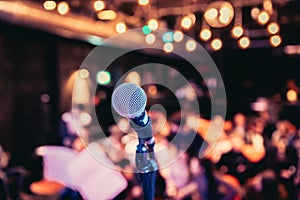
[(129, 100)]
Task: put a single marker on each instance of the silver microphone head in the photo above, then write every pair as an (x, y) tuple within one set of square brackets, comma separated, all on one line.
[(129, 100)]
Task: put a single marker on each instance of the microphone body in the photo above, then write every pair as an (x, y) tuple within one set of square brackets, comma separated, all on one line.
[(129, 100)]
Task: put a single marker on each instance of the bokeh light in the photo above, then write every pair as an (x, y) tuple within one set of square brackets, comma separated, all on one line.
[(49, 5), (275, 40), (273, 28), (84, 73), (146, 30), (103, 77), (190, 45), (150, 38), (143, 2), (186, 22), (120, 27), (237, 31), (133, 77), (244, 42), (205, 34), (263, 17), (216, 44), (211, 14), (178, 36), (63, 8), (152, 90), (99, 5), (153, 24), (168, 36), (291, 96), (107, 15), (168, 47)]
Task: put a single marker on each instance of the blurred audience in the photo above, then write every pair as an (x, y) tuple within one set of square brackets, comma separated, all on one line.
[(250, 157)]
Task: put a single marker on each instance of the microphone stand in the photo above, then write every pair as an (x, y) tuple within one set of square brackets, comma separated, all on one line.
[(145, 159)]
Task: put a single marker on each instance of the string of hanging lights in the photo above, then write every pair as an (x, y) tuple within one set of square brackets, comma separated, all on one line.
[(216, 16)]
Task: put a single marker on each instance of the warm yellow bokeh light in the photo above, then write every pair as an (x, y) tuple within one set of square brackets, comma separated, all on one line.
[(133, 77), (273, 28), (205, 34), (275, 40), (107, 15), (190, 45), (84, 73), (211, 14), (143, 2), (193, 18), (99, 5), (153, 24), (216, 44), (168, 47), (186, 22), (120, 27), (225, 11), (291, 96), (178, 36), (224, 19), (237, 31), (254, 13), (63, 8), (152, 90), (263, 17), (244, 42), (150, 38), (219, 14), (268, 6), (49, 5)]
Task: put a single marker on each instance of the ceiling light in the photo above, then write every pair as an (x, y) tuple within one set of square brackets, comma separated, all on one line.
[(225, 11), (211, 14), (178, 36), (273, 28), (268, 6), (224, 19), (275, 40), (205, 34), (254, 13), (263, 17), (186, 22), (219, 14), (49, 5), (63, 8), (237, 31), (244, 42), (190, 45), (153, 24), (99, 5), (168, 47), (216, 44), (150, 38)]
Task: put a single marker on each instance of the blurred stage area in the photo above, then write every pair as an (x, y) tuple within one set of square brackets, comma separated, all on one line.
[(255, 46)]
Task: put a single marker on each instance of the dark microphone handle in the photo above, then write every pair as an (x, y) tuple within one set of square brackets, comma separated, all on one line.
[(145, 159), (147, 181)]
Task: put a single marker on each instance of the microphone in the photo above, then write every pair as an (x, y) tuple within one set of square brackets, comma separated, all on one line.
[(129, 100)]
